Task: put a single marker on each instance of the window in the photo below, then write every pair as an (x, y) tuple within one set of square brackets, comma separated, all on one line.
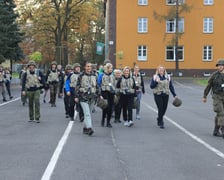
[(142, 53), (173, 2), (142, 2), (170, 53), (207, 53), (171, 25), (142, 25), (208, 2), (208, 25)]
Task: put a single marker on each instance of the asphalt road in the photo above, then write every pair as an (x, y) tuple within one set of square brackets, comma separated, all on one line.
[(56, 149)]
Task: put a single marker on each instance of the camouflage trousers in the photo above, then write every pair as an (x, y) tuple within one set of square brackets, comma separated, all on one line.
[(53, 92), (34, 104), (218, 108), (2, 90)]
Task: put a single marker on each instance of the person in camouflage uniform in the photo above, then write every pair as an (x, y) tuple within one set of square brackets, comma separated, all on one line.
[(216, 85), (52, 79), (86, 90), (32, 82)]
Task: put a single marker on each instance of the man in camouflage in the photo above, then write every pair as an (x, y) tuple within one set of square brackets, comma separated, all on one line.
[(216, 85), (32, 82), (52, 79)]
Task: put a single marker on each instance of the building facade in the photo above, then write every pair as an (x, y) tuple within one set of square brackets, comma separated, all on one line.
[(136, 36)]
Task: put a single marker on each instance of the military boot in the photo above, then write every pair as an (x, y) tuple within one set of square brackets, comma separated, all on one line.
[(216, 131)]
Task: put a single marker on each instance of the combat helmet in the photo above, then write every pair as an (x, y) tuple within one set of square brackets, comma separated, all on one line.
[(220, 62), (68, 66), (76, 65), (177, 102), (54, 63), (102, 103), (31, 63)]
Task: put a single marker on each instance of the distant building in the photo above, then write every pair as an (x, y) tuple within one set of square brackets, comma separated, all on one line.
[(134, 35)]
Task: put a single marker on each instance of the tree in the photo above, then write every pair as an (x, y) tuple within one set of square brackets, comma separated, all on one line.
[(10, 35), (174, 13)]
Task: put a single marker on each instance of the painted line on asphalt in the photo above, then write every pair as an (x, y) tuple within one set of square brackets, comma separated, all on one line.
[(194, 137), (12, 100), (54, 159)]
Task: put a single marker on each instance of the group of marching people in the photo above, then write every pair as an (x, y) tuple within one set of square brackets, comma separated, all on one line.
[(118, 87), (121, 89)]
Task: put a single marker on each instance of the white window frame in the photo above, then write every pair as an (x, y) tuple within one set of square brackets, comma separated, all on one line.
[(142, 25), (173, 2), (173, 22), (172, 50), (208, 2), (207, 53), (208, 25), (142, 51), (142, 2)]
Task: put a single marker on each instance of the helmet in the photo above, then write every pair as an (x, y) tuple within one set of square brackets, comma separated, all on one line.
[(177, 102), (220, 62), (76, 65), (106, 61), (54, 63), (68, 66), (102, 103), (31, 63), (116, 99)]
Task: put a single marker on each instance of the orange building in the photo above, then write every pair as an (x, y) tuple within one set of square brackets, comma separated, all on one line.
[(134, 35)]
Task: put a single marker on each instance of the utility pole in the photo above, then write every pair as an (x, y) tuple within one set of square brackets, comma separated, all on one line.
[(176, 39)]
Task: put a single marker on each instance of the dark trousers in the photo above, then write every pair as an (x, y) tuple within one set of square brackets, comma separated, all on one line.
[(71, 105), (127, 105), (107, 112), (66, 103), (8, 87), (80, 111), (117, 110), (161, 103), (53, 92)]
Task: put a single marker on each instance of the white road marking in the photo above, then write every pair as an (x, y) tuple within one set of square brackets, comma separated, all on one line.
[(194, 137), (7, 102), (54, 159)]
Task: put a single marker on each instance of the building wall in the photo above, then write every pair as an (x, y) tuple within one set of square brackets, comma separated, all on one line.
[(156, 39)]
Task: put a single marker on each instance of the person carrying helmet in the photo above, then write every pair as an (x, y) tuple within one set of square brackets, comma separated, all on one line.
[(162, 85), (32, 82), (216, 85), (52, 79)]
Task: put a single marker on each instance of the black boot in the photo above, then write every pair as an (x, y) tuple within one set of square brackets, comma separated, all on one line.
[(108, 123), (216, 131)]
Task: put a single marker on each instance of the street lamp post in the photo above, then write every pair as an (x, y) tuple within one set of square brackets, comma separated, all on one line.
[(176, 39)]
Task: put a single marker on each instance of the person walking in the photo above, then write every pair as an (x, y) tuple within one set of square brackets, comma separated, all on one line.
[(140, 89), (21, 74), (216, 86), (2, 83), (127, 87), (117, 102), (70, 86), (68, 71), (162, 85), (106, 82), (31, 85), (86, 90), (8, 78), (52, 79)]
